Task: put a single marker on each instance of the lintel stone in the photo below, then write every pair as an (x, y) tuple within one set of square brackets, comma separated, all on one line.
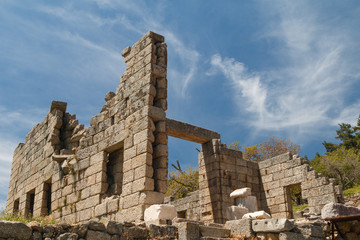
[(189, 132)]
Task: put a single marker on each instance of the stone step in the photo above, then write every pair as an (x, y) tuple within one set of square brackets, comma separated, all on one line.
[(214, 232), (211, 238)]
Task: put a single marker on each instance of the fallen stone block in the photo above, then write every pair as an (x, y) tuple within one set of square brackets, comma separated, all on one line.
[(248, 202), (214, 232), (291, 236), (15, 230), (240, 228), (257, 215), (158, 213), (272, 225), (241, 193), (188, 230), (338, 209), (235, 212), (96, 235)]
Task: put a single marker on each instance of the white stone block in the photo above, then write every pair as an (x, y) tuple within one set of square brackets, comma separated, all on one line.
[(235, 212), (158, 213), (257, 215), (248, 202), (272, 225), (241, 193), (338, 209)]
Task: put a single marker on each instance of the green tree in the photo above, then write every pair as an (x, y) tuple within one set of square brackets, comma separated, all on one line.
[(342, 164), (180, 182), (267, 149), (348, 135)]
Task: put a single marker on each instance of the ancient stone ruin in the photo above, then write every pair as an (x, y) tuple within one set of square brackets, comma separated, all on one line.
[(117, 167)]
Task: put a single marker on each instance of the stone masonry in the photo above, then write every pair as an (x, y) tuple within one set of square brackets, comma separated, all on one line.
[(117, 167)]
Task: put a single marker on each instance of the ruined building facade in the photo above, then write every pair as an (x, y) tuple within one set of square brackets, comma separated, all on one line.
[(117, 167)]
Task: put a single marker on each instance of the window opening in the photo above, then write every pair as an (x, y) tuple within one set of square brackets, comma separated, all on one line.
[(181, 214), (30, 200), (46, 204), (16, 206), (114, 172)]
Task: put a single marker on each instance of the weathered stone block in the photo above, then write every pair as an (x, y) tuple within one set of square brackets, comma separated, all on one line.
[(188, 231), (291, 236), (101, 209), (272, 225), (235, 212), (15, 230), (240, 228), (241, 193), (338, 209), (157, 212), (113, 227), (96, 235)]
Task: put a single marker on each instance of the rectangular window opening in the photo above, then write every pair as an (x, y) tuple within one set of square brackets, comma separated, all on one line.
[(46, 199), (114, 171), (30, 200), (181, 214), (16, 206)]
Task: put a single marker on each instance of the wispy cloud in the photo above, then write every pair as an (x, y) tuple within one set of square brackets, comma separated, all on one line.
[(310, 86), (185, 59), (13, 123)]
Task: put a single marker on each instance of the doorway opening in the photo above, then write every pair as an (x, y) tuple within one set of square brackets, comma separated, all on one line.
[(295, 204)]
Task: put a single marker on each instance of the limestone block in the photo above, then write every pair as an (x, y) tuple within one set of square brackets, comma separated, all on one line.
[(109, 96), (114, 227), (315, 229), (248, 202), (235, 212), (272, 225), (67, 236), (338, 209), (15, 230), (241, 193), (100, 209), (257, 215), (150, 197), (291, 236), (240, 228), (188, 230), (214, 232), (96, 235), (136, 233), (157, 212)]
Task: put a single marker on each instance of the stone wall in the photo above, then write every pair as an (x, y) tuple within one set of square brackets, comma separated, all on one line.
[(221, 171), (70, 169), (245, 229), (187, 207), (278, 174), (91, 230), (34, 169), (117, 167)]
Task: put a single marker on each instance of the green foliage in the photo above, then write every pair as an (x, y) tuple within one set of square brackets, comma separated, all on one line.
[(267, 149), (352, 191), (301, 207), (180, 182), (348, 135), (24, 219), (342, 164), (341, 161)]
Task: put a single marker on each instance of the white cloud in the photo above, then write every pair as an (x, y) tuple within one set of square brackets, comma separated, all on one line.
[(189, 59), (309, 88)]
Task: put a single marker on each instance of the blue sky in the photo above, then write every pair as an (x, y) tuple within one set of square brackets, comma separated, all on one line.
[(246, 69)]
